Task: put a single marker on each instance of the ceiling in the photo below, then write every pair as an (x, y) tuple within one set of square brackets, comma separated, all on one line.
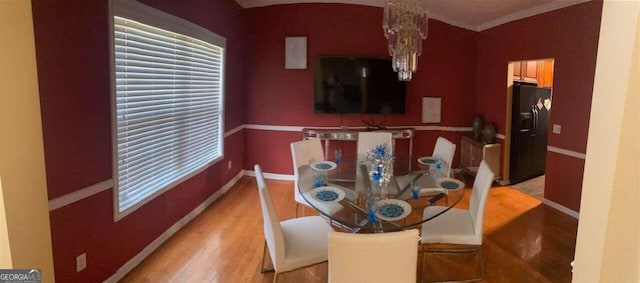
[(473, 15)]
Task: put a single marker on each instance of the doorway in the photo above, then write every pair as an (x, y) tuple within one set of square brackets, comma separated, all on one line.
[(528, 110)]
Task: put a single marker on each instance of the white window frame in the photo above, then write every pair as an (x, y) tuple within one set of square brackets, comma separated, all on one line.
[(136, 11)]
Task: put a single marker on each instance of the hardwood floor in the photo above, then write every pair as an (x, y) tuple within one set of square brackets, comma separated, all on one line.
[(524, 241)]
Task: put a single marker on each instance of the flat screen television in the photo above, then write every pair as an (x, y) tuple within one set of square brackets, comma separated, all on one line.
[(357, 85)]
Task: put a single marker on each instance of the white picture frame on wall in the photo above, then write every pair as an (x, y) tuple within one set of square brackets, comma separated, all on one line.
[(431, 109), (295, 53)]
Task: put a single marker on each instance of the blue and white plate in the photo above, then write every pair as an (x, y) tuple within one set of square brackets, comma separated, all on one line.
[(427, 160), (324, 165), (327, 194), (449, 183), (393, 209)]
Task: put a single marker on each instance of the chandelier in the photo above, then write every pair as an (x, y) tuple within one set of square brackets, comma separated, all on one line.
[(405, 25)]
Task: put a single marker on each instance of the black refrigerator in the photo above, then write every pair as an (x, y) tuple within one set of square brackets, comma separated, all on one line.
[(529, 131)]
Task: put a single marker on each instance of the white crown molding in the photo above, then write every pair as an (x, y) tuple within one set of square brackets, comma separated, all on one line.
[(529, 12), (438, 17), (262, 3), (246, 4), (559, 4), (243, 3)]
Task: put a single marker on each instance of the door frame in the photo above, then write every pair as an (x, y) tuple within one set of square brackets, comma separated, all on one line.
[(506, 156)]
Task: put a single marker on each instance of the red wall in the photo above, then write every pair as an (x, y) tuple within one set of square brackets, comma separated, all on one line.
[(465, 68), (72, 49), (564, 181), (276, 96), (570, 36)]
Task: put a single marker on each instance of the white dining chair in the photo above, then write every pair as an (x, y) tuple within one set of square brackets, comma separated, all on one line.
[(294, 243), (304, 152), (381, 257), (444, 150), (460, 228)]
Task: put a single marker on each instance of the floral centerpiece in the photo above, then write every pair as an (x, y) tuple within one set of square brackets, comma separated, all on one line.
[(380, 162)]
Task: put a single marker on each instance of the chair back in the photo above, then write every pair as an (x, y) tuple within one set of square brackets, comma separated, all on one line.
[(272, 230), (305, 152), (369, 140), (444, 150), (479, 194), (383, 257)]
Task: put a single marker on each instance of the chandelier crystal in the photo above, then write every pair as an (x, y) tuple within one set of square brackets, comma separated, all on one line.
[(405, 25)]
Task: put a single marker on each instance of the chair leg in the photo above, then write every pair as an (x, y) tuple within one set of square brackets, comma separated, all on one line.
[(275, 277), (477, 250), (479, 258), (420, 263), (264, 255)]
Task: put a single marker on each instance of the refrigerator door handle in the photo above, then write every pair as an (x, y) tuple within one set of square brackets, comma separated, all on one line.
[(534, 114)]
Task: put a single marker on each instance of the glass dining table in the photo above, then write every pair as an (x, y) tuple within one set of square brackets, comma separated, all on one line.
[(351, 197)]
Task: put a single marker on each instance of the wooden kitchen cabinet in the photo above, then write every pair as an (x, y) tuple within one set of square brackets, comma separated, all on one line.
[(539, 72), (472, 152), (517, 70), (544, 73), (526, 71)]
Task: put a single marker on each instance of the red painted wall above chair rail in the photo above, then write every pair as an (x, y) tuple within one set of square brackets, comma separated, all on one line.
[(465, 68), (570, 36), (72, 52), (276, 96)]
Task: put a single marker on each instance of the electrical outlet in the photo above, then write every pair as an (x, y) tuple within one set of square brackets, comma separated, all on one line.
[(81, 262), (556, 128), (229, 165)]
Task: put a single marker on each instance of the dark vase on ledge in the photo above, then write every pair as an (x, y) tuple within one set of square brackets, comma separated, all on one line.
[(489, 133), (478, 123)]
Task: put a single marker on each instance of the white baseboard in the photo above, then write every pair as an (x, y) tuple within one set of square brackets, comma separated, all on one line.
[(561, 208), (555, 205), (132, 263)]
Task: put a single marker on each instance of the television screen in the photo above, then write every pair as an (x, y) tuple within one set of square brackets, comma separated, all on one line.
[(357, 85)]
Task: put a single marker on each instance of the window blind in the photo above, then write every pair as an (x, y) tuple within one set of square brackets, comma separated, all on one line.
[(168, 108)]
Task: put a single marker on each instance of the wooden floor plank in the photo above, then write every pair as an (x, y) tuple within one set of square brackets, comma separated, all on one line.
[(524, 241)]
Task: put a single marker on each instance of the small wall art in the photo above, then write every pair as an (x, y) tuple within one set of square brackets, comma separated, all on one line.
[(431, 109), (295, 48)]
